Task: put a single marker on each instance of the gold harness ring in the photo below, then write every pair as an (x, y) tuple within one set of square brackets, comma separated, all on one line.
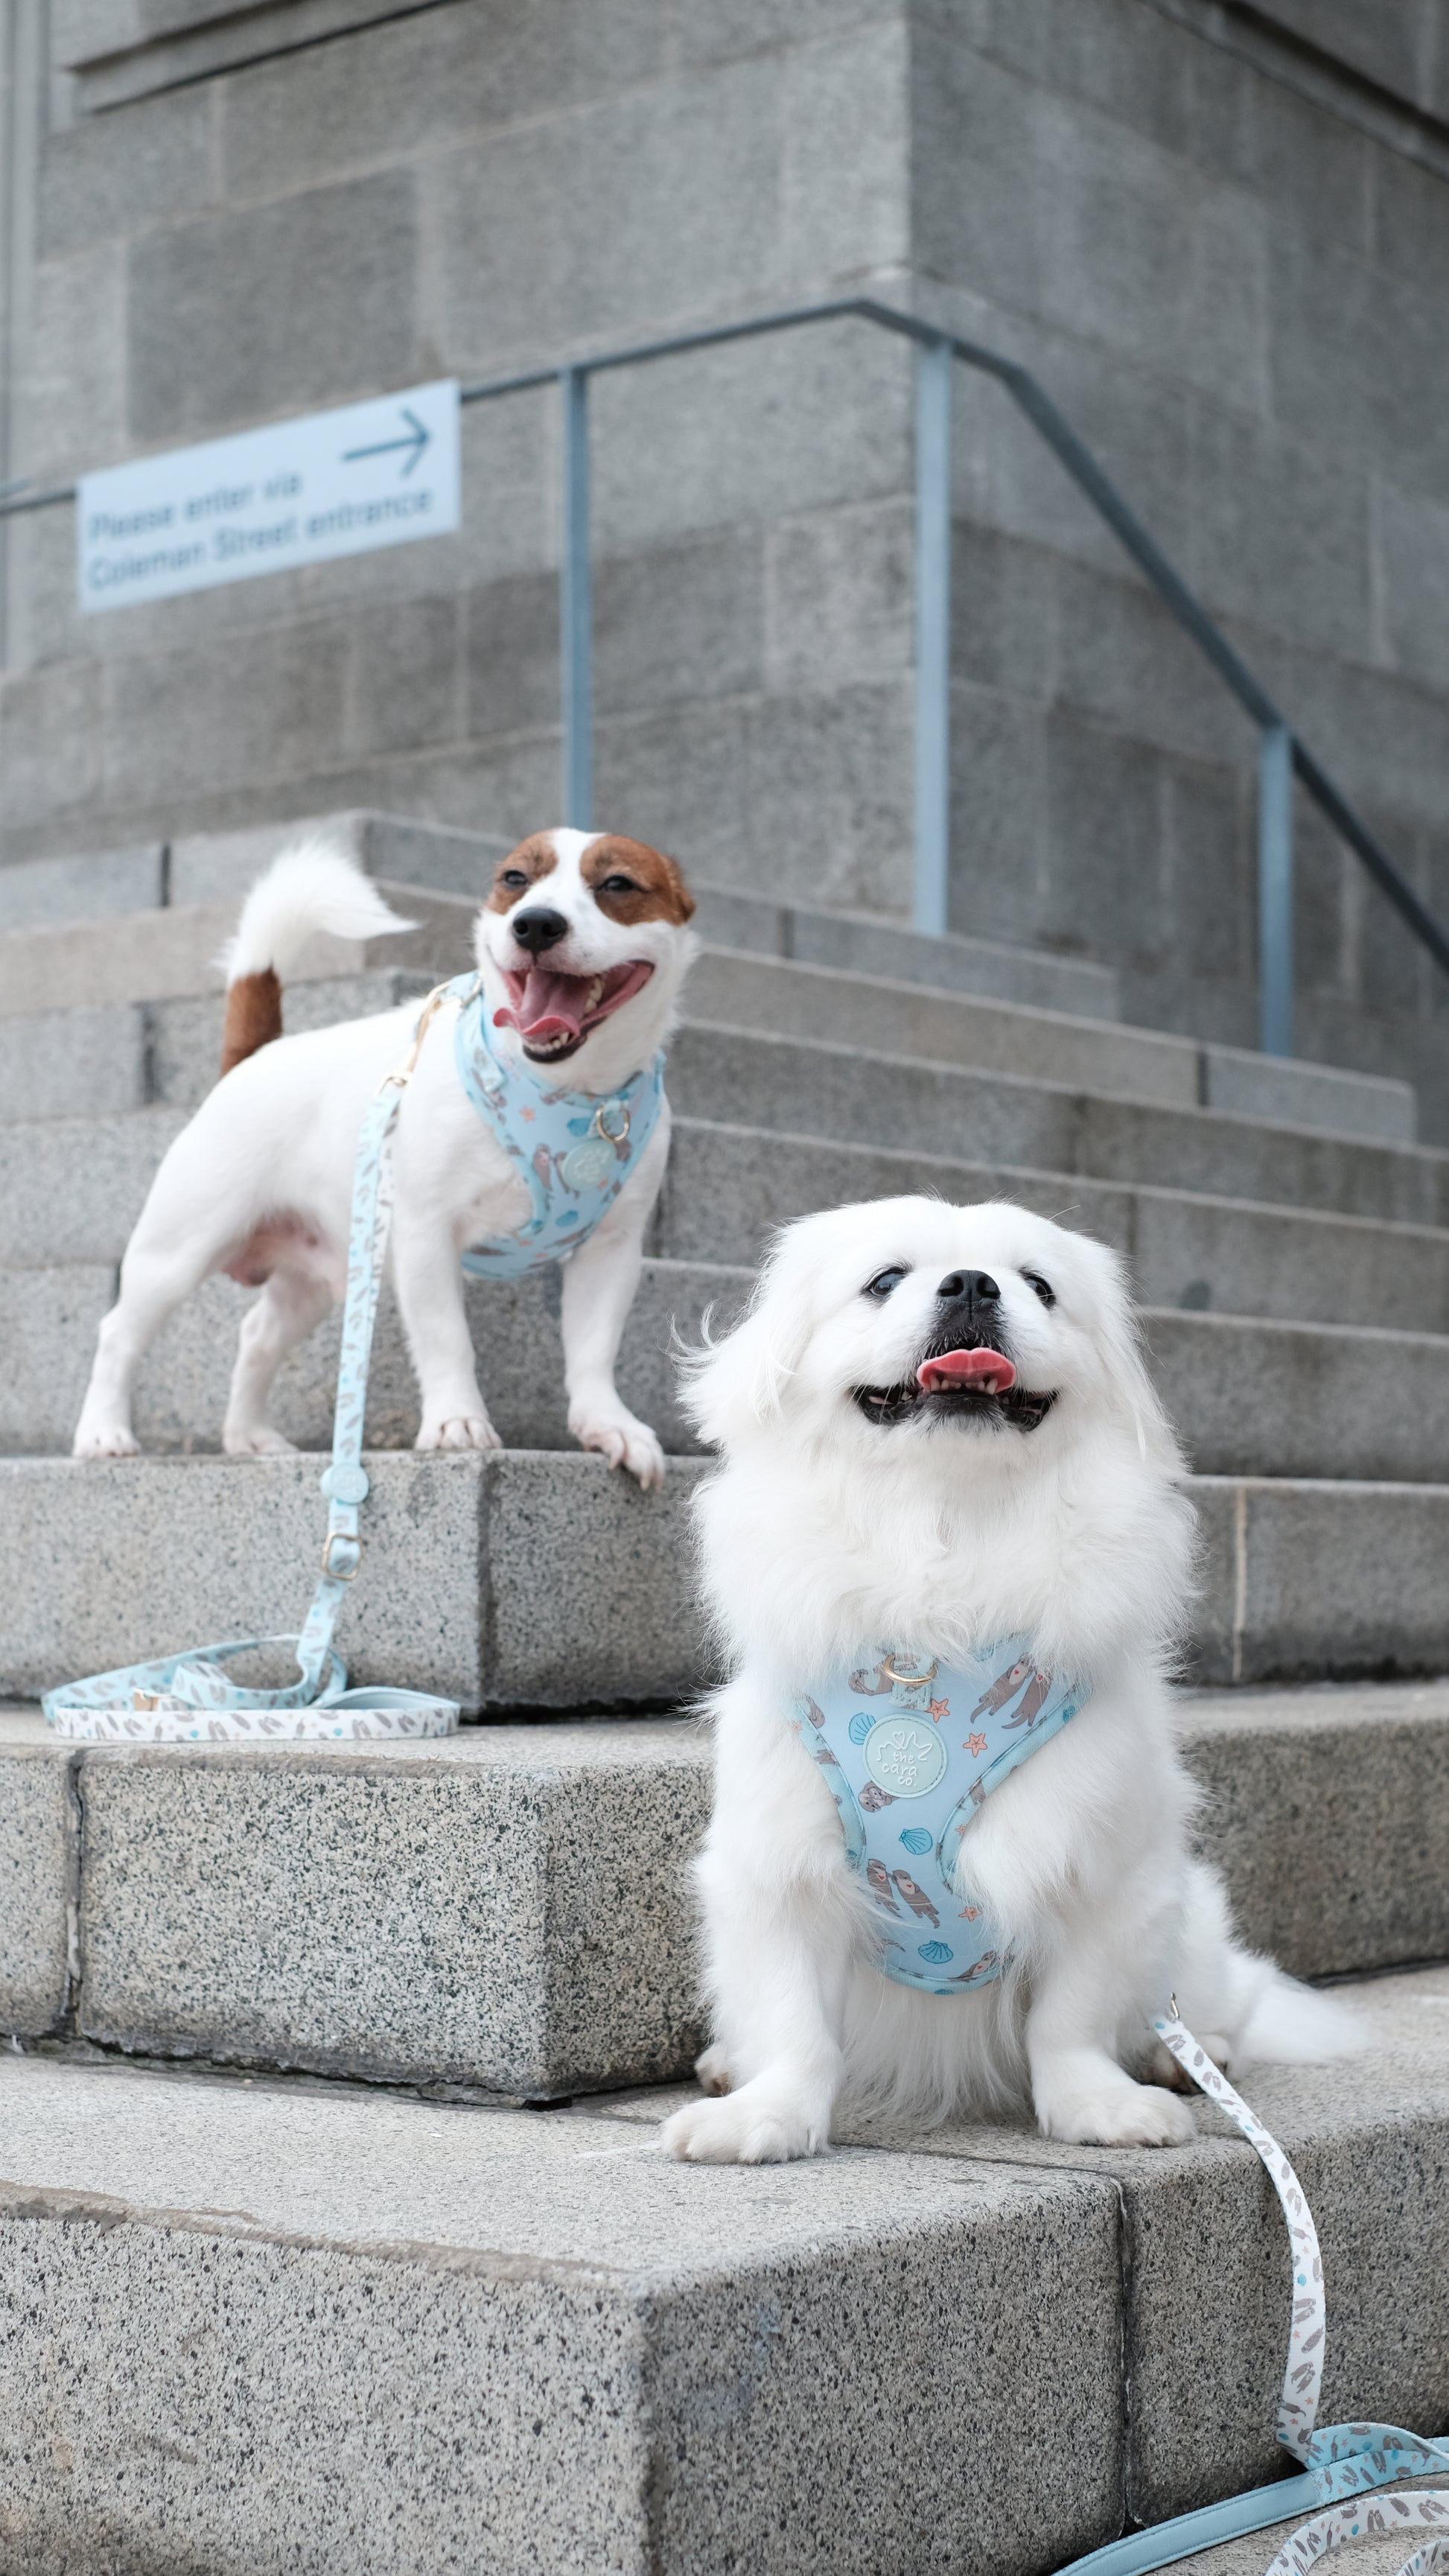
[(910, 1681)]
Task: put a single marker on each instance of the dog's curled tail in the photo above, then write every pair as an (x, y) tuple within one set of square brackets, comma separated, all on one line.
[(312, 886)]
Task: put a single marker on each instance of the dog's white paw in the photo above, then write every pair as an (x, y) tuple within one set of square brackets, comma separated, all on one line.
[(458, 1431), (755, 2126), (1119, 2115), (621, 1439), (257, 1440), (106, 1440), (712, 2072)]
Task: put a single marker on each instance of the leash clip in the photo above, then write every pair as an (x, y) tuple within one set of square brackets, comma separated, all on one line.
[(402, 1074)]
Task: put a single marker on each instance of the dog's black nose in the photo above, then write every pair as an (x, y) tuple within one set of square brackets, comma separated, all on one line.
[(968, 1288), (539, 929)]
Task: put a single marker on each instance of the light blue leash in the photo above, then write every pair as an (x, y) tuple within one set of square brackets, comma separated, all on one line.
[(186, 1697), (1344, 2463)]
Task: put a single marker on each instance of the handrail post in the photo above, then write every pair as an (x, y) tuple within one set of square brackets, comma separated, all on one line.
[(1275, 890), (575, 619), (934, 372)]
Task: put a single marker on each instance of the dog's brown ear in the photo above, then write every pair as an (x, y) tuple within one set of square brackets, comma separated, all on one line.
[(681, 900), (253, 1016)]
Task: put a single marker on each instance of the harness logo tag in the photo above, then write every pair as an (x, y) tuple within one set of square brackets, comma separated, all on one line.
[(905, 1756)]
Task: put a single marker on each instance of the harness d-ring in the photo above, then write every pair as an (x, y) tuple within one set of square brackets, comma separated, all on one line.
[(910, 1681)]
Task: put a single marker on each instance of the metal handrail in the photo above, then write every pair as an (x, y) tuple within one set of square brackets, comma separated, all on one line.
[(1282, 755)]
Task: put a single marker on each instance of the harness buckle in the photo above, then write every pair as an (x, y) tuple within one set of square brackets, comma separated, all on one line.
[(340, 1573)]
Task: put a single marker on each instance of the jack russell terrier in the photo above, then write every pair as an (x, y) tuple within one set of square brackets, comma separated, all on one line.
[(540, 1132)]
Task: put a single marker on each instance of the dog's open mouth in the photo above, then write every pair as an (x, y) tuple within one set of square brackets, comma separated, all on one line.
[(975, 1384), (554, 1013)]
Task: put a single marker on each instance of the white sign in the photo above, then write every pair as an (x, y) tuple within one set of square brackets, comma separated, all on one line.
[(335, 483)]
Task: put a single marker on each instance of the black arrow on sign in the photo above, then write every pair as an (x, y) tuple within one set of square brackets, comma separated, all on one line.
[(390, 446)]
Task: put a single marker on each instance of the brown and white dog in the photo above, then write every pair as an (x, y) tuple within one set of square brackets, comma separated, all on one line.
[(582, 946)]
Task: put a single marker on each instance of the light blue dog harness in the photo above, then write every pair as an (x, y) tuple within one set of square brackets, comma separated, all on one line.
[(911, 1751), (576, 1153), (574, 1149)]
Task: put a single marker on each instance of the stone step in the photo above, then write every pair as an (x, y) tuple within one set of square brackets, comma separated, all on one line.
[(129, 1055), (1248, 1396), (520, 1579), (219, 866), (811, 1087), (575, 2354), (880, 1017), (728, 1188), (507, 1909), (1206, 2269), (152, 1015), (535, 1579), (95, 966), (71, 1190), (48, 1320)]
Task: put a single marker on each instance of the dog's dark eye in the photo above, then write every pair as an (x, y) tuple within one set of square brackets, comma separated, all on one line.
[(514, 877), (1041, 1287), (883, 1282), (618, 885)]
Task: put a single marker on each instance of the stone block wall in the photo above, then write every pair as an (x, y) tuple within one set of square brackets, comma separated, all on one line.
[(1217, 232)]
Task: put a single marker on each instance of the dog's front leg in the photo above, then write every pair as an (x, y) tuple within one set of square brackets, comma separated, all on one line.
[(1078, 2089), (428, 1278), (600, 1281), (778, 1937), (780, 1998)]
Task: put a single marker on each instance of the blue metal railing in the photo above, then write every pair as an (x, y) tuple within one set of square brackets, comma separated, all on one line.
[(1282, 756)]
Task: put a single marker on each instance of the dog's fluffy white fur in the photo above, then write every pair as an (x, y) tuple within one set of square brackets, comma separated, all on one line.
[(260, 1183), (825, 1533)]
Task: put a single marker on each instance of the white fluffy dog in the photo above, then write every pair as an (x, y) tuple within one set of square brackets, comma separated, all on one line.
[(938, 1433), (582, 948)]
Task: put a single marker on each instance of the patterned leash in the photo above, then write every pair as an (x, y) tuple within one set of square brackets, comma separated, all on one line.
[(186, 1697), (1344, 2462)]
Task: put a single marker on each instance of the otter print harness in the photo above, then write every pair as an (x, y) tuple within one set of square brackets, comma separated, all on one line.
[(910, 1751), (573, 1149)]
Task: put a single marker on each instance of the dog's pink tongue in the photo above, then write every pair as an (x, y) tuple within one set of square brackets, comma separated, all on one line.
[(987, 1371), (550, 1005)]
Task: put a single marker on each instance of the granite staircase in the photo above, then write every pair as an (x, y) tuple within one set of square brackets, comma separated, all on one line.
[(332, 2232)]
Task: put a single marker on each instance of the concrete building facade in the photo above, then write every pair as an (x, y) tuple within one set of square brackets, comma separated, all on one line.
[(1219, 234)]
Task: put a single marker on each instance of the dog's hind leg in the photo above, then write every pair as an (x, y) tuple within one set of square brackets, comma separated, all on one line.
[(153, 1284), (291, 1305)]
